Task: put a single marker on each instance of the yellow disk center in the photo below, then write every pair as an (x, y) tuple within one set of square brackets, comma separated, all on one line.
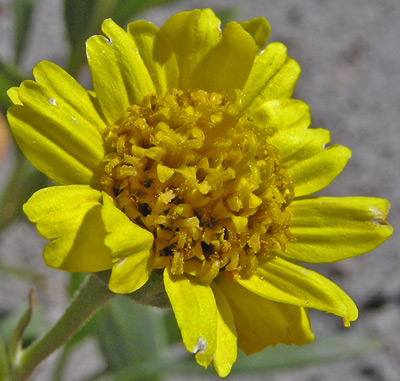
[(194, 170)]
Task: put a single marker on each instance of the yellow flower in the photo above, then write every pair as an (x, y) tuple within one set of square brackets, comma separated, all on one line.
[(190, 159)]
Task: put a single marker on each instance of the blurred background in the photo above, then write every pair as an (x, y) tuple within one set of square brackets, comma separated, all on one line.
[(349, 52)]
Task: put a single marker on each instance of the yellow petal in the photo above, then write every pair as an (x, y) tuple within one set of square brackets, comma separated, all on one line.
[(60, 85), (228, 64), (290, 119), (124, 237), (291, 115), (130, 273), (311, 174), (13, 95), (261, 322), (332, 229), (156, 54), (296, 146), (131, 249), (71, 217), (259, 29), (282, 84), (120, 78), (286, 282), (55, 131), (273, 76), (311, 166), (196, 314), (192, 35), (226, 351)]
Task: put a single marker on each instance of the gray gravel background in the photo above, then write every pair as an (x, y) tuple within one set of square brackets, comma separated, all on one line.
[(349, 53)]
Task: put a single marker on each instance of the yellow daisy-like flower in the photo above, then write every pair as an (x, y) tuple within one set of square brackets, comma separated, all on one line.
[(190, 160)]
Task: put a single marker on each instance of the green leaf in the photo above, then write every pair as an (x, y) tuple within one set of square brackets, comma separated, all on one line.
[(24, 181), (326, 349), (16, 337), (9, 77), (23, 10), (83, 19), (3, 362), (9, 323), (125, 333), (226, 15), (171, 327), (78, 14), (126, 10)]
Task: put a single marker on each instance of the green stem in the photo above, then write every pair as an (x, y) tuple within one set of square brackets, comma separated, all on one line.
[(88, 299)]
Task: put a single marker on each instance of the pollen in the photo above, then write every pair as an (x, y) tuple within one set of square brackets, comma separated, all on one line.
[(192, 168)]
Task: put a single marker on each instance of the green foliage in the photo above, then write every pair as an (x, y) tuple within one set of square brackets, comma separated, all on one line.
[(226, 15), (326, 349), (78, 16), (83, 19), (9, 77), (3, 362), (126, 10), (125, 333), (9, 324), (24, 181), (23, 10)]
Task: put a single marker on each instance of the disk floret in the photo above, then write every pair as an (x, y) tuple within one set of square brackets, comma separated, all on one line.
[(194, 170)]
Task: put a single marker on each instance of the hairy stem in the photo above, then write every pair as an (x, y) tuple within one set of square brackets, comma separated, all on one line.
[(88, 299)]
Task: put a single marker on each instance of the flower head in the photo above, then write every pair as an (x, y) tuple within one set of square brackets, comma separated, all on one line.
[(190, 160)]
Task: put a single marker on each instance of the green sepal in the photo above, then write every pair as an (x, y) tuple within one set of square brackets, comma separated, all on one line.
[(151, 294)]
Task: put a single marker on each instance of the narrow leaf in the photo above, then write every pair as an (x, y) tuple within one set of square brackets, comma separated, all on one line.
[(83, 19), (125, 333), (126, 10), (226, 15), (9, 77), (328, 349), (24, 181), (3, 362), (16, 339), (77, 13), (23, 10)]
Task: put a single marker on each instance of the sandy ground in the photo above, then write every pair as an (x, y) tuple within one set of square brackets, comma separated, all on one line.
[(349, 53)]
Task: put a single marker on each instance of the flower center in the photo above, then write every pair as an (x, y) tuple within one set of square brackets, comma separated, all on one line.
[(194, 170)]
